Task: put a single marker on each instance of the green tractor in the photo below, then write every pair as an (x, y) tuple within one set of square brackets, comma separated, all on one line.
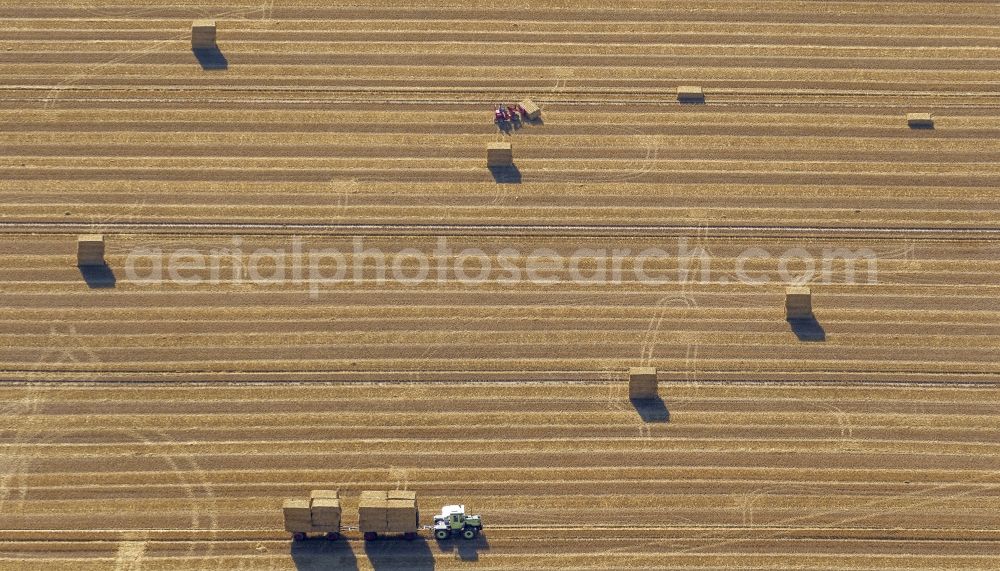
[(452, 522)]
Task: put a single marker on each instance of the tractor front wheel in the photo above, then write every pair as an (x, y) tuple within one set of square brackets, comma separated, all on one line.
[(298, 536), (469, 533), (370, 536), (442, 534)]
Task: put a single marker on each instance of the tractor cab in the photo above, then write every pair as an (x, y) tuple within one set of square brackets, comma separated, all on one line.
[(452, 516), (453, 521)]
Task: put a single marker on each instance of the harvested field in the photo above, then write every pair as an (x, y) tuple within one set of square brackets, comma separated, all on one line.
[(151, 420), (800, 473), (930, 317)]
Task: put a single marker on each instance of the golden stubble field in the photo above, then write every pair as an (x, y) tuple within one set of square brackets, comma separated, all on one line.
[(740, 476), (151, 426)]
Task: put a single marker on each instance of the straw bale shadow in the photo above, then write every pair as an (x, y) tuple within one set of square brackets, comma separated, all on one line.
[(211, 59), (506, 175), (808, 329), (98, 277), (321, 554), (651, 409), (397, 554)]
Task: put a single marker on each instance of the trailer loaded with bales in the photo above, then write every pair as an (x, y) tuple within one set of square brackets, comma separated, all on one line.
[(388, 513), (380, 513), (319, 515)]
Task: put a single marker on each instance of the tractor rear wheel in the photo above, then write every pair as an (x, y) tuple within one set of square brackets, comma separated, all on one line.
[(370, 536), (442, 534), (333, 536), (410, 535), (469, 533), (298, 536)]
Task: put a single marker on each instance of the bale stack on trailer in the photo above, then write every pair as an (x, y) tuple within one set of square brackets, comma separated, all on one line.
[(320, 514), (371, 511), (324, 508), (297, 516), (90, 250), (388, 512), (401, 512)]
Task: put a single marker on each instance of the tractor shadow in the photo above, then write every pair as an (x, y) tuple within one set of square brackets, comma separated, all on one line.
[(98, 277), (651, 410), (506, 127), (465, 549), (211, 59), (922, 127), (396, 554), (321, 555), (506, 175), (808, 329)]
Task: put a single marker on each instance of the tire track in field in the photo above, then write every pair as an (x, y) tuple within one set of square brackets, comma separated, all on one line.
[(651, 337), (51, 97), (103, 223), (131, 552), (633, 168), (68, 346), (27, 409), (183, 467), (919, 501)]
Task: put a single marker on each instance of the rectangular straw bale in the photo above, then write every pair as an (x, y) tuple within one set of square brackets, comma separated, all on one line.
[(372, 511), (798, 303), (533, 111), (690, 93), (326, 512), (499, 154), (90, 250), (920, 120), (642, 382), (203, 34), (297, 515)]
